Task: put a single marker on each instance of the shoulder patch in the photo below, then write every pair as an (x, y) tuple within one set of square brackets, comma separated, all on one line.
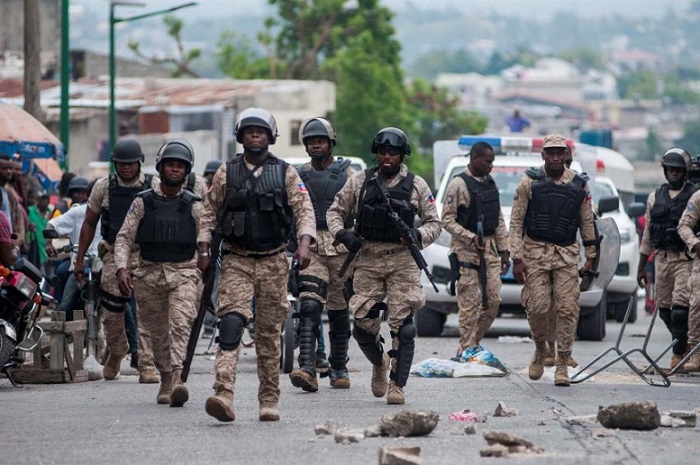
[(449, 200), (431, 198), (302, 187)]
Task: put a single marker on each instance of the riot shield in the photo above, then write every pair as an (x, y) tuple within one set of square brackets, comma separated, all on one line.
[(607, 258)]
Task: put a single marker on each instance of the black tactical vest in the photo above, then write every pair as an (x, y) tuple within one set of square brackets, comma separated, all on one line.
[(665, 215), (485, 200), (373, 221), (553, 212), (167, 232), (120, 198), (323, 185), (256, 214)]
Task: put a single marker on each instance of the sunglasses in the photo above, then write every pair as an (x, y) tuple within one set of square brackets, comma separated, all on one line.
[(393, 151)]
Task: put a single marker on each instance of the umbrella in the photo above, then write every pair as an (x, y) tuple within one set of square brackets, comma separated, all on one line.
[(21, 133)]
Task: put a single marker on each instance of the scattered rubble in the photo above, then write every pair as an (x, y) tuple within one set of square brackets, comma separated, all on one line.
[(470, 429), (503, 411), (468, 415), (511, 443), (407, 423), (633, 415), (389, 455), (679, 419), (325, 429), (348, 436), (373, 431)]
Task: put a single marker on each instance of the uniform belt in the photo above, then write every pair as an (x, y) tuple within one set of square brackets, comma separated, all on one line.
[(384, 253), (253, 256)]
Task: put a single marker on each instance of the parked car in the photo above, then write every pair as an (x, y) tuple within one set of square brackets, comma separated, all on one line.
[(514, 156)]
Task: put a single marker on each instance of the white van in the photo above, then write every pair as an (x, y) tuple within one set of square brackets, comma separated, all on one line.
[(514, 156)]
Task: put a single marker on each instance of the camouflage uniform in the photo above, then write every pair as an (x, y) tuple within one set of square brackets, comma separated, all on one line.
[(552, 280), (474, 320), (246, 275), (688, 227), (673, 271), (385, 270), (113, 322), (166, 292)]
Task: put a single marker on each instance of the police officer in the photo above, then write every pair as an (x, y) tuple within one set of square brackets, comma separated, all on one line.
[(688, 229), (471, 198), (320, 285), (385, 268), (165, 222), (257, 197), (551, 204), (672, 263), (209, 170), (109, 201)]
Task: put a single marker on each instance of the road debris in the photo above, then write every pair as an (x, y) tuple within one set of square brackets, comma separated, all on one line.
[(389, 455), (348, 436), (467, 415), (633, 415), (498, 441), (408, 423), (504, 411), (678, 419)]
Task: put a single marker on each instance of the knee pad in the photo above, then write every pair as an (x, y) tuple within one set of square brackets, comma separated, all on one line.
[(406, 336), (230, 331), (309, 283), (363, 337), (679, 328), (407, 331), (679, 317), (339, 321), (310, 308), (665, 315)]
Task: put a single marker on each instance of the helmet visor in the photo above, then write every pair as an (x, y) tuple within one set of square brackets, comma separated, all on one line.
[(389, 138)]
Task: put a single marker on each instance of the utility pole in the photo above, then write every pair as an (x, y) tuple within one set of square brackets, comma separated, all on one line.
[(32, 59)]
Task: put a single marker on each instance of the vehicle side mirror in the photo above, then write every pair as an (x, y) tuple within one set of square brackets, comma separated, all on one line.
[(50, 234), (636, 209), (608, 203)]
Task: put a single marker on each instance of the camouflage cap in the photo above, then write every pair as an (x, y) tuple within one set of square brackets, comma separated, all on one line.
[(554, 140)]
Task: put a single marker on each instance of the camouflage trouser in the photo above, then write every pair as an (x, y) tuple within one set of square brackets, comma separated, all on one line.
[(551, 337), (474, 320), (548, 290), (694, 314), (326, 269), (112, 322), (394, 277), (167, 308), (672, 274), (243, 278)]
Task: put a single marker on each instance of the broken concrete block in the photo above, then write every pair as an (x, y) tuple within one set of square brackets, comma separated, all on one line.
[(348, 436), (506, 439), (470, 429), (678, 418), (407, 423), (389, 455), (496, 450), (325, 429), (633, 415), (373, 431), (503, 411), (585, 420)]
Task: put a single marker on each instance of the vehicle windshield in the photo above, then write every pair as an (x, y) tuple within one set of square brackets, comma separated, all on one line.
[(507, 179), (599, 190)]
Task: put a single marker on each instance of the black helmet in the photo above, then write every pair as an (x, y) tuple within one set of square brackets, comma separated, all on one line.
[(676, 157), (212, 166), (176, 149), (77, 183), (317, 127), (394, 137), (127, 151), (256, 117)]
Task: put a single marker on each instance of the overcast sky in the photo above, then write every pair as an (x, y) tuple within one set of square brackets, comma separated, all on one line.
[(529, 8)]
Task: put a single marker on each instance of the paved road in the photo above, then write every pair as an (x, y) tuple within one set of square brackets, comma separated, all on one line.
[(119, 422)]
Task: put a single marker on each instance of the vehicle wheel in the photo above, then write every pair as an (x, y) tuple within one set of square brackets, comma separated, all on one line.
[(7, 346), (287, 355), (591, 325), (429, 322), (621, 309)]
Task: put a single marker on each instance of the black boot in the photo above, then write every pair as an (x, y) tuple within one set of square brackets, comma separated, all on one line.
[(339, 335), (304, 377)]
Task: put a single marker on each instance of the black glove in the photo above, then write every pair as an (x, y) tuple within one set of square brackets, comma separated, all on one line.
[(416, 233), (350, 239)]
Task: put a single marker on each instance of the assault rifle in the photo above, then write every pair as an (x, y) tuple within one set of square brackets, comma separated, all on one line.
[(206, 303), (482, 261), (405, 232)]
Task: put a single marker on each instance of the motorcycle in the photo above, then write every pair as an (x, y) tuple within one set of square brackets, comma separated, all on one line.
[(23, 293)]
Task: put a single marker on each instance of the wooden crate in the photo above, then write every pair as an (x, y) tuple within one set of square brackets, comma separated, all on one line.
[(55, 362)]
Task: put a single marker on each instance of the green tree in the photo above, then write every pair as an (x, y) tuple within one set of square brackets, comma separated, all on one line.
[(691, 136), (584, 58), (642, 84), (182, 62), (238, 59), (429, 65), (369, 96)]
